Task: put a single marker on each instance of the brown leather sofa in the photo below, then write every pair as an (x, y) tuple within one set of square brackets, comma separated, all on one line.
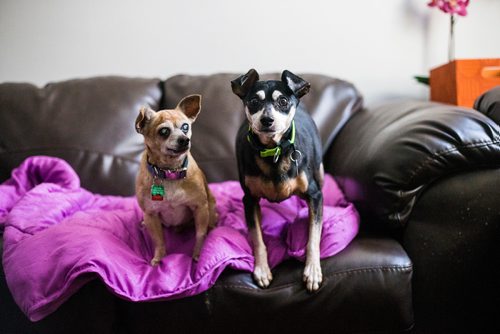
[(425, 178)]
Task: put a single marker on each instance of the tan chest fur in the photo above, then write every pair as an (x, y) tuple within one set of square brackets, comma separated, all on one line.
[(173, 209), (276, 192), (179, 201)]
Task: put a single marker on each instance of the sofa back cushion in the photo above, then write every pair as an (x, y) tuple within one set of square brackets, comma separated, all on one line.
[(331, 103), (87, 122)]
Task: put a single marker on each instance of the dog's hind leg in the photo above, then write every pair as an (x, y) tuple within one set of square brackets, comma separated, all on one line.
[(212, 210), (312, 270), (261, 273)]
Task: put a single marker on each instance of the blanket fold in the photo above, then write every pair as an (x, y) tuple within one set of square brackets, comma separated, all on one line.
[(58, 236)]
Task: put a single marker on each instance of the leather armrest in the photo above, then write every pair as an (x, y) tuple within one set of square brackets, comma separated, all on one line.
[(489, 104), (385, 157), (453, 239)]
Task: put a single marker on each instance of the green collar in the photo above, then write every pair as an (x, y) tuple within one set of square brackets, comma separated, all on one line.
[(275, 151)]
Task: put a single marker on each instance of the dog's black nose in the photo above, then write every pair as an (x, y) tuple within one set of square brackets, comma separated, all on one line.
[(183, 142), (267, 121)]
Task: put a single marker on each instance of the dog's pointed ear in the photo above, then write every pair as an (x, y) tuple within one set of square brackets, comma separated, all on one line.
[(241, 85), (146, 114), (190, 106), (299, 86)]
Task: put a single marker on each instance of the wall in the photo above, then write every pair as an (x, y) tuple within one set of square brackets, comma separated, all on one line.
[(378, 45)]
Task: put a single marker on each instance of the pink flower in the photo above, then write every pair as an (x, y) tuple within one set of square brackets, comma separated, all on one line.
[(451, 6)]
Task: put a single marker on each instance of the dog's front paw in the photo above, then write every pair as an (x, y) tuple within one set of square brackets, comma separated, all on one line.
[(154, 261), (262, 275), (197, 250), (159, 254), (313, 276)]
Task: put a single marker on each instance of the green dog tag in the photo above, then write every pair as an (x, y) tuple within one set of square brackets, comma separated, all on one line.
[(157, 192)]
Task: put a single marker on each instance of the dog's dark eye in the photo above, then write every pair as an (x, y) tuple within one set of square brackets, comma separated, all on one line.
[(185, 127), (283, 101), (164, 132), (254, 102)]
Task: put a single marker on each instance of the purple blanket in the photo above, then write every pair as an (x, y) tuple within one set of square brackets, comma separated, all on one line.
[(58, 236)]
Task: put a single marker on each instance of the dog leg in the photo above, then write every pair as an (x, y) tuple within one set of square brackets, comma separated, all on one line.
[(201, 222), (312, 271), (261, 273), (211, 210), (155, 229)]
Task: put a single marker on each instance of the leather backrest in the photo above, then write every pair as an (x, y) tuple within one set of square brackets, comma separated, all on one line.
[(331, 102), (87, 122), (90, 123)]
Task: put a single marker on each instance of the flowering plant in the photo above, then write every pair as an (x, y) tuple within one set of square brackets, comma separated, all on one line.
[(451, 7)]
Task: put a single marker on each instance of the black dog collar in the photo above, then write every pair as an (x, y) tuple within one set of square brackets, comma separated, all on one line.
[(169, 174), (275, 151)]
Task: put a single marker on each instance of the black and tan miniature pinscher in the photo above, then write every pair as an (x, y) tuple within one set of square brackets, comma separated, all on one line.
[(279, 155)]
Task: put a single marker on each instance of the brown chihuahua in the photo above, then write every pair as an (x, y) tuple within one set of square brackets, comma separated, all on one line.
[(171, 189)]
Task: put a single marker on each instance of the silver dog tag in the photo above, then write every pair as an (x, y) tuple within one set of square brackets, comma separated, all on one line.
[(295, 156), (277, 154)]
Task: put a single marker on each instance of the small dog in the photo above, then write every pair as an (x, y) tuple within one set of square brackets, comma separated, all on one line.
[(171, 189), (279, 155)]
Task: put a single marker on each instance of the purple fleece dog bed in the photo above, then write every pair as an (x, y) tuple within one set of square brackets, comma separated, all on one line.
[(58, 236)]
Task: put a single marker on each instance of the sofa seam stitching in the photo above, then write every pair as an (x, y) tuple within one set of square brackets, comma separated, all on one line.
[(427, 161), (447, 151)]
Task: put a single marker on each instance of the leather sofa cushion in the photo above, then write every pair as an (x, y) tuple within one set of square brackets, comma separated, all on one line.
[(87, 122), (366, 288), (331, 103)]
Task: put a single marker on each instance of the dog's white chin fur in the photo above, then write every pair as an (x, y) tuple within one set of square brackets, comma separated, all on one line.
[(267, 138), (172, 153), (172, 160)]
